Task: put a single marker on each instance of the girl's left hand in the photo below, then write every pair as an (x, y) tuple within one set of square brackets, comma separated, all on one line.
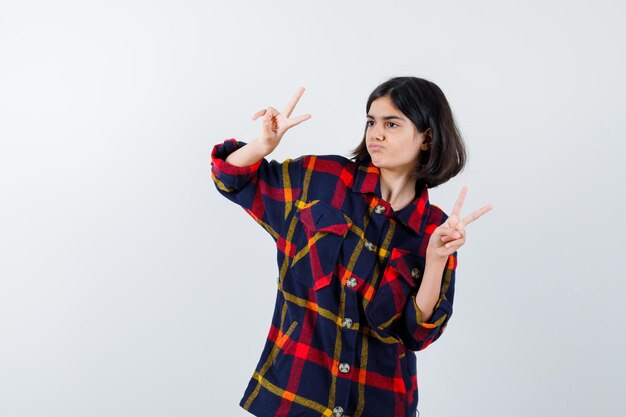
[(450, 235)]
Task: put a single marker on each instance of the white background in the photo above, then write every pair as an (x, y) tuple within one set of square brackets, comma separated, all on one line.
[(130, 287)]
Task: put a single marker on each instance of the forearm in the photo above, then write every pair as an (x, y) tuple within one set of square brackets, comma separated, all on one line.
[(429, 291), (248, 154)]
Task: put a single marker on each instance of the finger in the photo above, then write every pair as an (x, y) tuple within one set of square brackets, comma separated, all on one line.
[(270, 116), (258, 114), (459, 202), (455, 244), (453, 239), (460, 227), (475, 215), (451, 221), (456, 234), (449, 234), (299, 120), (269, 122), (453, 234), (267, 112), (294, 100)]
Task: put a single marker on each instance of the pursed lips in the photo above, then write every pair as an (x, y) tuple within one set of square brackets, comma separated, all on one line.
[(375, 147)]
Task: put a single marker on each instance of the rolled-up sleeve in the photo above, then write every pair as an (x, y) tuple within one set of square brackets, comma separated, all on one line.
[(421, 334), (266, 190)]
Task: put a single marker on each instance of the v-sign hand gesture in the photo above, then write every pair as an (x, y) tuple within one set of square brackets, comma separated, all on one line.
[(452, 230), (275, 124)]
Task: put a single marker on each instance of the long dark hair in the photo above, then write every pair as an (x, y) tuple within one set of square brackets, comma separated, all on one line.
[(424, 103)]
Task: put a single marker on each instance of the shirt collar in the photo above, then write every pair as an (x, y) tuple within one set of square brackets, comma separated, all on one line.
[(414, 215)]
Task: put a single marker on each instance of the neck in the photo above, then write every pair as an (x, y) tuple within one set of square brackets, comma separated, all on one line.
[(398, 188)]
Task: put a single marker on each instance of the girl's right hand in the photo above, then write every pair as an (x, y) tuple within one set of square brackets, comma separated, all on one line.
[(275, 124)]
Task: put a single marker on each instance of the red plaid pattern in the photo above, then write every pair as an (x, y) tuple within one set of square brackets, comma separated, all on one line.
[(346, 324)]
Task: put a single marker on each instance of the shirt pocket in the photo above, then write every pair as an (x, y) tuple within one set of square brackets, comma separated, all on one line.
[(318, 239), (401, 278)]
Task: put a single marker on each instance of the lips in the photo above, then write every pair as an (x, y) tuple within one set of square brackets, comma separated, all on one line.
[(375, 147)]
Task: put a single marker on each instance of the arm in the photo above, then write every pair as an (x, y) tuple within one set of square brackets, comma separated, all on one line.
[(429, 291), (425, 326), (394, 310), (266, 190), (249, 154), (444, 242)]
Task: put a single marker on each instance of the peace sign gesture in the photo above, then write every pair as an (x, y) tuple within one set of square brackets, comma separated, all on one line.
[(275, 124), (452, 230)]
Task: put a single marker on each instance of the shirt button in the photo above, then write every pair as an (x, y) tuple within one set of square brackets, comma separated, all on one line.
[(351, 282), (344, 367), (415, 273), (379, 209), (347, 322), (338, 411), (369, 245)]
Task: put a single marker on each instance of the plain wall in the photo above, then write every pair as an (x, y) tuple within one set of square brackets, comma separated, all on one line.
[(130, 287)]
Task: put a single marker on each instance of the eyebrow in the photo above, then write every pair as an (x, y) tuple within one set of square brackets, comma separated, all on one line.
[(387, 117)]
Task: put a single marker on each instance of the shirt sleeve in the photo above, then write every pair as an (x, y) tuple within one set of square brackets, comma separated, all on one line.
[(266, 190), (420, 334)]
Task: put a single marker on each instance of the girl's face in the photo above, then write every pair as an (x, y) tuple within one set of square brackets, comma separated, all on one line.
[(393, 141)]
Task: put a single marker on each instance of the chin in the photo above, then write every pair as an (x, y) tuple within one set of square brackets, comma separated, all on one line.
[(376, 161)]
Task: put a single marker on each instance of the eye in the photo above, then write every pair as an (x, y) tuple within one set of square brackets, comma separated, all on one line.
[(367, 123)]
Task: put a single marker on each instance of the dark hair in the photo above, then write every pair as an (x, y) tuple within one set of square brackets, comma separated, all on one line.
[(424, 103)]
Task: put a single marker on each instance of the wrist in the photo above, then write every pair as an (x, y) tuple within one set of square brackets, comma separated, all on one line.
[(261, 147), (434, 259)]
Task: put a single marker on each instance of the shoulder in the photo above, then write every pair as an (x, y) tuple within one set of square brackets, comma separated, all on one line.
[(325, 177), (437, 215), (331, 158), (329, 163)]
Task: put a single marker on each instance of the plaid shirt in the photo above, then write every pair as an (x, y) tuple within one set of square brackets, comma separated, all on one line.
[(346, 324)]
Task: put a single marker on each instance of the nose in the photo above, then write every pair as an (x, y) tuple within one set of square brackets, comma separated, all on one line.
[(376, 132)]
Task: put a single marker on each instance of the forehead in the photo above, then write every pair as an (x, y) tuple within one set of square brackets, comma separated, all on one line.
[(383, 108)]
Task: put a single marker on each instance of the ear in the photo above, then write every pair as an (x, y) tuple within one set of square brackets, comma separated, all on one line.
[(427, 140)]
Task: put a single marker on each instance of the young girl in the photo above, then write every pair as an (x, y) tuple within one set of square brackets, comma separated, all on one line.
[(366, 263)]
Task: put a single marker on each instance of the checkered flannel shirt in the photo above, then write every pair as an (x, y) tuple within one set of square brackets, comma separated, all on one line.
[(346, 324)]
